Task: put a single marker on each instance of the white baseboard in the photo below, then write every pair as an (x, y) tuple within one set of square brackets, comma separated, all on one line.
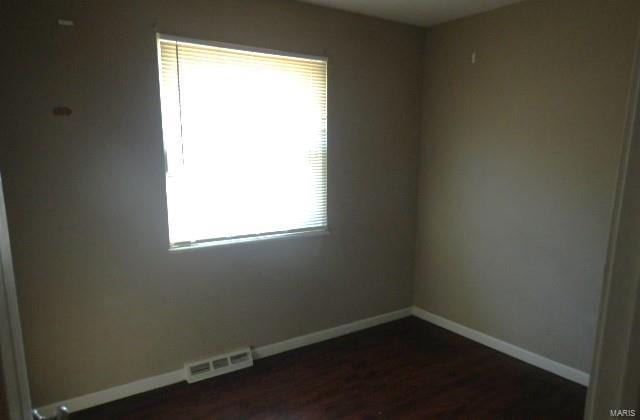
[(115, 393), (534, 359), (169, 378), (316, 337)]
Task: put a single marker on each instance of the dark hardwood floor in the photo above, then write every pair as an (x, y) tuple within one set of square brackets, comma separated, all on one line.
[(404, 369)]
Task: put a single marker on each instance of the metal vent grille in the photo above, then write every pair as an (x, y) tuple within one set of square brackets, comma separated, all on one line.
[(219, 365)]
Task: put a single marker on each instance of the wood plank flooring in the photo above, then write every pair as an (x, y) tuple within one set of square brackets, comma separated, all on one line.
[(407, 369)]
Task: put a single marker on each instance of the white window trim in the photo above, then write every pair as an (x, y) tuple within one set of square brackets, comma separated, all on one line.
[(186, 246), (233, 46), (213, 242)]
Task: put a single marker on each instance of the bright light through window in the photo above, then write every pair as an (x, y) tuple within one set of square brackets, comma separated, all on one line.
[(245, 137)]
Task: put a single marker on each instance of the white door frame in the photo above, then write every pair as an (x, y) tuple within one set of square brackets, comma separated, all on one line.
[(14, 367), (615, 374)]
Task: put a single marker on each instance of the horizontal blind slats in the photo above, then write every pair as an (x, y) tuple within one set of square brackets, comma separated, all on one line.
[(245, 135)]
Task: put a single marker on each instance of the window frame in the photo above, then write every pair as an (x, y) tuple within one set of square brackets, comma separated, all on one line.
[(258, 237)]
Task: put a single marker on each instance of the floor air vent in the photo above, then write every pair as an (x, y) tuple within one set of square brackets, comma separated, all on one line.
[(218, 365)]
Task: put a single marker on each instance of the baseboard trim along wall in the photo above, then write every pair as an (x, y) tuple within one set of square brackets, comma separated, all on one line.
[(154, 382), (170, 378), (516, 352)]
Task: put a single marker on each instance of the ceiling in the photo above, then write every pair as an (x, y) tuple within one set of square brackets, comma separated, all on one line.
[(416, 12)]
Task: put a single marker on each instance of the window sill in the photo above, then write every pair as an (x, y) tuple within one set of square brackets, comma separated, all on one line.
[(233, 241)]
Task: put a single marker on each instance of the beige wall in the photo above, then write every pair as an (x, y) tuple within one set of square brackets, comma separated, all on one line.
[(103, 302), (518, 169)]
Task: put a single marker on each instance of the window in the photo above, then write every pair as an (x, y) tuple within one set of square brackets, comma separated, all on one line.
[(245, 138)]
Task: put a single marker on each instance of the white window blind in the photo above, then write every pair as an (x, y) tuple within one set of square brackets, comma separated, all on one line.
[(245, 137)]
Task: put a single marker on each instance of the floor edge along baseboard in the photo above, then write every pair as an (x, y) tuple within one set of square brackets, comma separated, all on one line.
[(509, 349), (169, 378)]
